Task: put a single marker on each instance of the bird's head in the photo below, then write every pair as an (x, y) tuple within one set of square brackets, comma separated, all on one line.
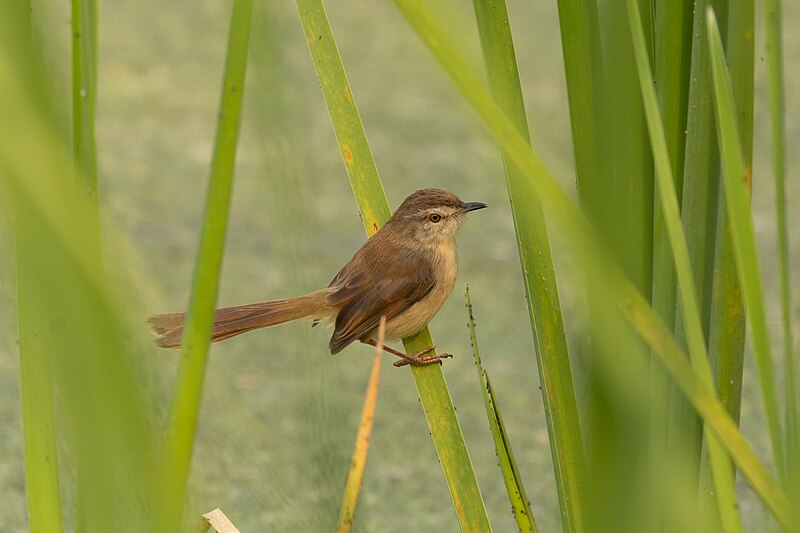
[(433, 215)]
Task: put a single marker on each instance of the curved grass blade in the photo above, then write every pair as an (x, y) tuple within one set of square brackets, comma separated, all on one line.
[(374, 210), (574, 223), (355, 474), (738, 207), (774, 49), (520, 505), (179, 440), (722, 474), (541, 289), (704, 401)]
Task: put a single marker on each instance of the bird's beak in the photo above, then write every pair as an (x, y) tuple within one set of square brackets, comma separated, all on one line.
[(466, 207)]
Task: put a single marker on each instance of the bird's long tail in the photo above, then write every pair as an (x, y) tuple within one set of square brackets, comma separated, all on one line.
[(232, 321)]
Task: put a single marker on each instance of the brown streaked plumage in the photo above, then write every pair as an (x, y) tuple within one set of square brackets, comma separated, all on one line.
[(404, 272)]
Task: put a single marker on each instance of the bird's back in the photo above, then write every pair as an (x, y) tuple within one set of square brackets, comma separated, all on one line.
[(388, 276)]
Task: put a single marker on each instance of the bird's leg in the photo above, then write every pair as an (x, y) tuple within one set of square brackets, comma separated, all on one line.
[(412, 358), (421, 361)]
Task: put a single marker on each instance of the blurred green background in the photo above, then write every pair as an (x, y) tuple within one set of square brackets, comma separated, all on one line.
[(280, 414)]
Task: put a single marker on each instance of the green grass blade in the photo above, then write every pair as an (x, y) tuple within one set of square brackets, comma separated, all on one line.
[(738, 207), (673, 50), (728, 320), (574, 223), (355, 474), (553, 197), (723, 476), (583, 59), (42, 485), (699, 215), (179, 441), (541, 289), (84, 104), (625, 194), (36, 395), (673, 58), (77, 313), (774, 49), (374, 209), (356, 154), (700, 181), (84, 88), (704, 401), (590, 67), (629, 164), (673, 53), (727, 328), (81, 335), (520, 505)]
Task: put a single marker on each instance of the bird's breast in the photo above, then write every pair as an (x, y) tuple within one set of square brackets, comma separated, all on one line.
[(411, 321)]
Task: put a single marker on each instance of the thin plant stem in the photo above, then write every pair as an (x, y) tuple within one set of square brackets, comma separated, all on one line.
[(517, 496), (179, 441), (352, 485)]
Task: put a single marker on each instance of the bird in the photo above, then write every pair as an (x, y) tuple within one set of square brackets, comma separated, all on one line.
[(404, 272)]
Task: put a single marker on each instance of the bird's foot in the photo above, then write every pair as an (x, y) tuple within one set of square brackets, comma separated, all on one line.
[(417, 359)]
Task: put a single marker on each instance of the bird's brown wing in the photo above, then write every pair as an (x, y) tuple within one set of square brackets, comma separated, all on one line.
[(366, 294)]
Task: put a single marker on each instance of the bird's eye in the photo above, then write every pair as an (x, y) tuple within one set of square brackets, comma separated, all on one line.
[(435, 217)]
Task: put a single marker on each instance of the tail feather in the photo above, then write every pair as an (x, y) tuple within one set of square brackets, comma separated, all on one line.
[(232, 321), (161, 324)]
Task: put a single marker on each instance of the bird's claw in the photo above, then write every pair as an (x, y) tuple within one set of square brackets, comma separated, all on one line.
[(422, 361)]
